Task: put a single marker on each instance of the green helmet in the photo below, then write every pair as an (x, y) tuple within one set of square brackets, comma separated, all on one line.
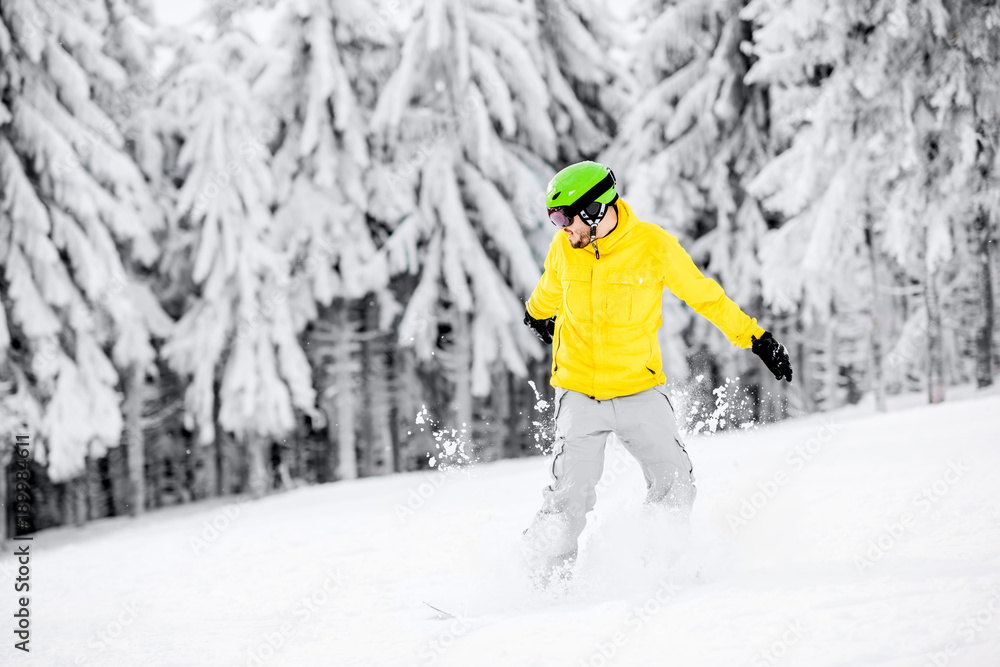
[(580, 185)]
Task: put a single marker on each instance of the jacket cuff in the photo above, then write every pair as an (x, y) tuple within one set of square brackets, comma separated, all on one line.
[(745, 341), (533, 313)]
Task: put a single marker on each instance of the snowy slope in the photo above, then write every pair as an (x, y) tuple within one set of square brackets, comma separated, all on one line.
[(337, 575)]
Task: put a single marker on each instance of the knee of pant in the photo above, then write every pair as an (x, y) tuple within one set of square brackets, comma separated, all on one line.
[(573, 472), (679, 495), (573, 501), (670, 479), (581, 482), (665, 474)]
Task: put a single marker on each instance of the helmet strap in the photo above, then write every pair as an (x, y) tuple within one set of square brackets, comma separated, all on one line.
[(594, 222)]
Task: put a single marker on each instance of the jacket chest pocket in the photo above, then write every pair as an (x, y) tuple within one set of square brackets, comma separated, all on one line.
[(633, 295), (577, 293)]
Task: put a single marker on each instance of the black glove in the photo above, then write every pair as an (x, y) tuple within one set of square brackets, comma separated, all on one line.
[(773, 354), (544, 329)]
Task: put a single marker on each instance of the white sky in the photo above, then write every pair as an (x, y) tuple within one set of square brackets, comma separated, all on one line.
[(177, 12)]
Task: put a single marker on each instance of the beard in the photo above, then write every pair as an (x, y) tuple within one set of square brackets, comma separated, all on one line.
[(579, 239)]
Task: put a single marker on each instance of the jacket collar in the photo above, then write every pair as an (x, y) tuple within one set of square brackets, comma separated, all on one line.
[(626, 221)]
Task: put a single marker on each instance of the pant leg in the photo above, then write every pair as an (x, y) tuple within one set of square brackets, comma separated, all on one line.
[(582, 429), (646, 426)]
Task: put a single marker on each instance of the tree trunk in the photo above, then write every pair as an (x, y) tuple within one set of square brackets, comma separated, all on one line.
[(878, 377), (773, 396), (414, 443), (799, 394), (828, 397), (258, 480), (118, 478), (221, 469), (347, 455), (397, 449), (461, 375), (91, 488), (504, 401), (343, 417), (135, 443), (378, 395), (67, 517), (984, 337), (207, 485), (802, 372), (935, 341), (79, 495), (221, 451)]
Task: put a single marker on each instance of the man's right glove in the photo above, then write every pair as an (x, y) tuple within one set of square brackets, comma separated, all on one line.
[(773, 354), (544, 329)]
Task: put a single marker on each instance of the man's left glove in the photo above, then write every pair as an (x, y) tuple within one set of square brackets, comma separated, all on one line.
[(773, 354), (544, 329)]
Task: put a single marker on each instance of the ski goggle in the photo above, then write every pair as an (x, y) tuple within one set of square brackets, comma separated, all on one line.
[(562, 218), (559, 217)]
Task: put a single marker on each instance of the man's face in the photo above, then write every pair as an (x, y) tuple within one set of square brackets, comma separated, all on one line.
[(579, 233)]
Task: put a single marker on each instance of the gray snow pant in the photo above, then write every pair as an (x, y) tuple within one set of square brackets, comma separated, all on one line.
[(645, 424)]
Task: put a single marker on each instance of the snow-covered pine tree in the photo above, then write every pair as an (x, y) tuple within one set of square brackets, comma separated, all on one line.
[(464, 141), (955, 105), (687, 150), (76, 217), (237, 340), (584, 62), (885, 161), (329, 52), (128, 32), (818, 186), (976, 36)]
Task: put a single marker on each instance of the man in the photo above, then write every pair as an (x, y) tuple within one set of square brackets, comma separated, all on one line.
[(598, 304)]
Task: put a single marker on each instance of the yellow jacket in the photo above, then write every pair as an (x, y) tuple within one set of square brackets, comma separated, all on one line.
[(609, 309)]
